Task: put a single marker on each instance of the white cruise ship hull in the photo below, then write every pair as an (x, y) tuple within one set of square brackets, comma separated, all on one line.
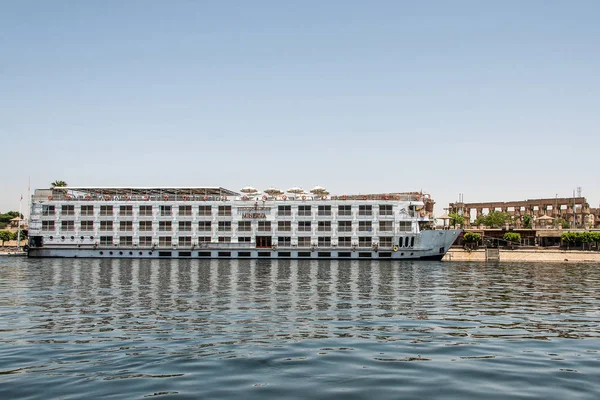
[(432, 245)]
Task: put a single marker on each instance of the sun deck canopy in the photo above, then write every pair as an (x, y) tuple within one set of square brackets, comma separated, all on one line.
[(148, 191)]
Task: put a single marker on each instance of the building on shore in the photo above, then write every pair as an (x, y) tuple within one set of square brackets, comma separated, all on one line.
[(545, 213)]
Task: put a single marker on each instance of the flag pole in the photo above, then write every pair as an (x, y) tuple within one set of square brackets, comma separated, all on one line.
[(19, 223)]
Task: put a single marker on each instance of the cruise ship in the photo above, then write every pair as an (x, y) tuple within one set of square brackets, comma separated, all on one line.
[(214, 222)]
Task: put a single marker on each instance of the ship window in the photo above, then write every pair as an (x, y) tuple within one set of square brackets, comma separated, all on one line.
[(106, 240), (106, 211), (126, 241), (48, 210), (303, 226), (165, 241), (324, 211), (68, 210), (386, 226), (165, 226), (185, 226), (385, 242), (264, 254), (324, 241), (385, 209), (145, 211), (412, 241), (244, 226), (303, 242), (106, 225), (365, 226), (204, 211), (406, 239), (185, 254), (284, 241), (304, 254), (344, 211), (244, 239), (204, 254), (264, 226), (165, 211), (345, 226), (284, 211), (224, 226), (345, 241), (365, 241), (126, 226), (284, 254), (324, 226), (47, 225), (204, 226), (126, 211), (185, 211), (344, 254), (204, 239), (87, 211), (185, 241), (67, 226), (244, 254), (365, 210), (304, 211), (145, 241), (224, 254), (325, 254), (405, 226), (224, 239), (224, 211), (284, 226), (385, 255), (145, 226)]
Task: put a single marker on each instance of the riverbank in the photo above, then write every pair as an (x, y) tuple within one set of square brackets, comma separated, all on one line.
[(526, 254)]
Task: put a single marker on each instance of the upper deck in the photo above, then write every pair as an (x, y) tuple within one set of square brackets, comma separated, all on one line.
[(179, 194)]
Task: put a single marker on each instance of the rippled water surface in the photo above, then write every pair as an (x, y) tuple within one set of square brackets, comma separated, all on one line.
[(298, 329)]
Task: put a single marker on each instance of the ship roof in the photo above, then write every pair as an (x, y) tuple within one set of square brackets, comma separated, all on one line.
[(159, 190)]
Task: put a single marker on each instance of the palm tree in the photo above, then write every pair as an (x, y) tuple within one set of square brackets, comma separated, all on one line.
[(58, 184)]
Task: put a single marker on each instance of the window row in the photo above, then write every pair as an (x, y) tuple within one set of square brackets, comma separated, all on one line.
[(283, 241), (204, 210), (243, 226), (127, 210)]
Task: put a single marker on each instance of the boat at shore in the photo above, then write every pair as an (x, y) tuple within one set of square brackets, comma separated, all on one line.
[(214, 222)]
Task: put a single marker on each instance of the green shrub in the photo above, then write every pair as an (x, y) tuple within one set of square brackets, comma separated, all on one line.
[(512, 237), (471, 237)]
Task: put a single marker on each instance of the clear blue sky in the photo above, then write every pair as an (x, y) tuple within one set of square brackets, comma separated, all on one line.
[(496, 100)]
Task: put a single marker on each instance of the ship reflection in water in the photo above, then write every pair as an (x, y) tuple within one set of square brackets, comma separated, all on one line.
[(292, 328)]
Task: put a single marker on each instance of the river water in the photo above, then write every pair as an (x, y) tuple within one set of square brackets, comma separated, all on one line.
[(77, 328)]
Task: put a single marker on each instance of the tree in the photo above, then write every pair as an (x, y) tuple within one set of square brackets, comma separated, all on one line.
[(471, 239), (4, 236), (15, 235), (512, 237), (562, 222), (495, 219), (595, 237), (527, 222), (6, 217), (58, 184), (456, 219)]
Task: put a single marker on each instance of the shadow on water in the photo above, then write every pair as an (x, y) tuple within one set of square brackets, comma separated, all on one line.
[(297, 328)]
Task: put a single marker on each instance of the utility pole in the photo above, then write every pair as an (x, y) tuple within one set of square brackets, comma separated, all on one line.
[(19, 225)]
